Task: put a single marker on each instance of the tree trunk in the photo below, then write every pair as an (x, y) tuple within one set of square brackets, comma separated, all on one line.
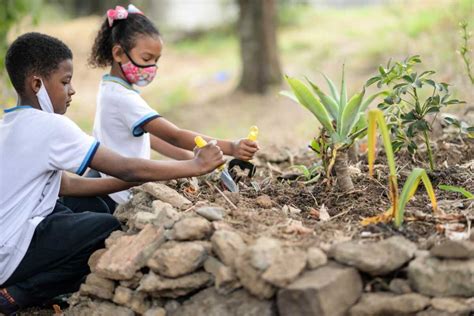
[(258, 45), (343, 177)]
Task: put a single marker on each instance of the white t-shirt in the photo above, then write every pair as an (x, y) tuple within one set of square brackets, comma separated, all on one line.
[(120, 115), (35, 147)]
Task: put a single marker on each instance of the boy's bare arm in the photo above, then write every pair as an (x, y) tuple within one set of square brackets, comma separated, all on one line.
[(74, 185), (143, 170), (169, 150)]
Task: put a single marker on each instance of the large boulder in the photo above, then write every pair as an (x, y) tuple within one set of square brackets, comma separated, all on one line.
[(328, 291), (227, 245), (376, 258), (389, 304), (177, 259), (129, 253), (442, 277), (239, 303), (454, 249), (159, 286), (191, 228), (166, 194)]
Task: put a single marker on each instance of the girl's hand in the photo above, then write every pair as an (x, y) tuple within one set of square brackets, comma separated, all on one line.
[(208, 157), (244, 149)]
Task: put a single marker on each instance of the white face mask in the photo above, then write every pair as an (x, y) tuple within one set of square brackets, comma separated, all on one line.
[(44, 100)]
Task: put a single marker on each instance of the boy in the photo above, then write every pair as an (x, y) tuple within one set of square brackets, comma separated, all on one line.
[(44, 245)]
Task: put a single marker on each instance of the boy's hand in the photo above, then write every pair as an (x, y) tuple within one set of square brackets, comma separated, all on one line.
[(208, 157), (244, 149)]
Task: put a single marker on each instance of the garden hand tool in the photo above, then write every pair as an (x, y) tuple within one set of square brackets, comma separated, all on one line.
[(242, 164), (226, 179)]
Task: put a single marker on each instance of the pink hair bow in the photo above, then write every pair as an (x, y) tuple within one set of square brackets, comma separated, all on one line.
[(119, 13)]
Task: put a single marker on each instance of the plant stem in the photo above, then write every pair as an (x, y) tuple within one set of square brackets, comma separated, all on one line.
[(428, 148)]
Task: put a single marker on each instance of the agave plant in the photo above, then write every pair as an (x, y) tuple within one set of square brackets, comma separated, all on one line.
[(398, 202), (342, 121)]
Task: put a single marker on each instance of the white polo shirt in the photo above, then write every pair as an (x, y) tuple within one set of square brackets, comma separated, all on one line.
[(120, 115), (35, 147)]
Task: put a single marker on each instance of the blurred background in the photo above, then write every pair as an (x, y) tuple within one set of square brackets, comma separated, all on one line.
[(224, 60)]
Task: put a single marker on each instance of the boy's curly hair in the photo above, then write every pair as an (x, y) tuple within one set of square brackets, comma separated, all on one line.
[(122, 32), (34, 53)]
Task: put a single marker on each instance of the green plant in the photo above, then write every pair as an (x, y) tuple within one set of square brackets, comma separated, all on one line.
[(308, 174), (413, 97), (452, 188), (342, 121), (465, 51), (398, 202)]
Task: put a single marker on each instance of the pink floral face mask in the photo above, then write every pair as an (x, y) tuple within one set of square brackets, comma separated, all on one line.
[(141, 75)]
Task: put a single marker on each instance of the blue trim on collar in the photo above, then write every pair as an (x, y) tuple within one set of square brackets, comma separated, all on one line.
[(18, 107), (120, 81)]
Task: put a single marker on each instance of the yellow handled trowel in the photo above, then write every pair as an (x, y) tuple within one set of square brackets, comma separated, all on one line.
[(226, 179), (242, 164)]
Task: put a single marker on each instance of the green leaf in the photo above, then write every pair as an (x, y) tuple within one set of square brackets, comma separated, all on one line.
[(307, 99), (330, 104), (370, 99), (409, 189), (332, 87), (290, 95), (350, 115), (343, 99), (452, 188)]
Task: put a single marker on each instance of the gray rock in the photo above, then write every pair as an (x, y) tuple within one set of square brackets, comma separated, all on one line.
[(155, 311), (160, 286), (454, 249), (227, 245), (134, 300), (166, 214), (287, 265), (166, 194), (141, 219), (389, 304), (129, 253), (225, 278), (171, 306), (113, 237), (212, 213), (328, 291), (251, 278), (453, 305), (94, 258), (263, 252), (400, 286), (239, 303), (377, 258), (133, 282), (178, 259), (93, 308), (437, 277), (316, 258), (192, 228)]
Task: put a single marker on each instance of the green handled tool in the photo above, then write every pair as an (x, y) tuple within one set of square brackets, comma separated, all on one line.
[(226, 179)]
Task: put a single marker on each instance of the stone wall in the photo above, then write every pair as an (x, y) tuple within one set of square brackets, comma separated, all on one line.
[(176, 259)]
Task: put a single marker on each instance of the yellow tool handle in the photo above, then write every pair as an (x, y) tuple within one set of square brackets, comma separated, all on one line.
[(253, 134), (200, 142)]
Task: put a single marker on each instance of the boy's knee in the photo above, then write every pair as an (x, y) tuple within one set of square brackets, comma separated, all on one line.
[(110, 222)]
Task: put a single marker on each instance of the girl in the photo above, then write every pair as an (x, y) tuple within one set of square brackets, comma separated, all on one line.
[(131, 45), (44, 245)]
